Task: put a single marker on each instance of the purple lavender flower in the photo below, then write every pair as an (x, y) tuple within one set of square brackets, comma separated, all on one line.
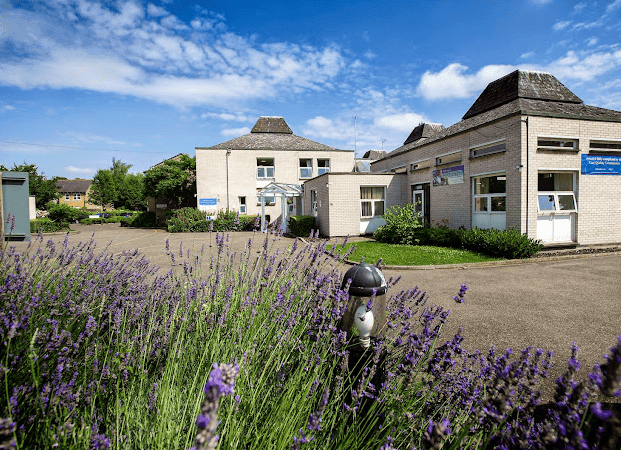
[(7, 433), (459, 298)]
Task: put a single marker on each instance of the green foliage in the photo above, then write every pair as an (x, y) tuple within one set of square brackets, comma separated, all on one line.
[(103, 189), (47, 226), (144, 219), (192, 220), (43, 189), (132, 196), (441, 236), (302, 225), (402, 222), (175, 180), (61, 212), (508, 243), (93, 220)]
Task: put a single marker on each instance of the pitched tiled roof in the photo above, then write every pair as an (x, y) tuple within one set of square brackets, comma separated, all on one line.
[(68, 186), (374, 154), (424, 131), (267, 124), (521, 84), (271, 133)]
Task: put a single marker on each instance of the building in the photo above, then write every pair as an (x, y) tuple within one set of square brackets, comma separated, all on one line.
[(232, 175), (528, 154), (76, 193)]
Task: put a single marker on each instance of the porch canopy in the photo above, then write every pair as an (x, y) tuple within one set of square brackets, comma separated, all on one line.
[(282, 190)]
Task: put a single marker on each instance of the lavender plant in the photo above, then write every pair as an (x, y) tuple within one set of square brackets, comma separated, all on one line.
[(98, 351)]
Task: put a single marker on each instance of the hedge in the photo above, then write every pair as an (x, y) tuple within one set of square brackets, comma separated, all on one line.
[(47, 226), (302, 225)]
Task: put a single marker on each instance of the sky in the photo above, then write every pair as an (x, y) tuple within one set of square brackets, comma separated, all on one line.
[(83, 82)]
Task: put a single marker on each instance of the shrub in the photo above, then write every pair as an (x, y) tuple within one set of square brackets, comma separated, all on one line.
[(99, 348), (509, 243), (402, 222), (143, 219), (47, 226), (302, 225), (93, 220), (193, 220), (61, 212)]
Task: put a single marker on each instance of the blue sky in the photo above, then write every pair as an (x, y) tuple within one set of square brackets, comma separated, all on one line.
[(82, 82)]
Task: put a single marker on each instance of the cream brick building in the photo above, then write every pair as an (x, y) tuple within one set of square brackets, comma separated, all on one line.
[(528, 154), (230, 174)]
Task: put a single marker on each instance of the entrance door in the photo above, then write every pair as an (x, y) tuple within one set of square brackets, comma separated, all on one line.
[(556, 207), (420, 198)]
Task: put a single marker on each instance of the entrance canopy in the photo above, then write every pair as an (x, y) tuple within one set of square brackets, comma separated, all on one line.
[(282, 190)]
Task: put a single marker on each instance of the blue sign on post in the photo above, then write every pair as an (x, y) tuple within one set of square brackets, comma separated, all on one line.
[(207, 201), (601, 165)]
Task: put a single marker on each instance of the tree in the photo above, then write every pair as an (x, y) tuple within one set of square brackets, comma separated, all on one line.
[(175, 180), (134, 192), (41, 188), (103, 189)]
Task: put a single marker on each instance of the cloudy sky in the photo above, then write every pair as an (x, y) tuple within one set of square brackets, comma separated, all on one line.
[(82, 82)]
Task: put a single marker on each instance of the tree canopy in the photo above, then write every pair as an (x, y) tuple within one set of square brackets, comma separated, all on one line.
[(117, 187), (173, 179), (41, 188), (103, 188)]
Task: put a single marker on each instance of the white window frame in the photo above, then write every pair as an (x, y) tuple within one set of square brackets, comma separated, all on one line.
[(77, 196), (263, 171), (556, 195), (488, 197), (313, 196), (448, 158), (67, 196), (306, 171), (615, 142), (420, 165), (242, 204), (488, 148), (373, 202), (323, 169), (546, 143)]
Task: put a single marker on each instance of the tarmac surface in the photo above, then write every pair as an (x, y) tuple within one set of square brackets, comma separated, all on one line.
[(546, 302)]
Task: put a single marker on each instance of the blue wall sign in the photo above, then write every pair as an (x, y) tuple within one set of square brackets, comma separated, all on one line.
[(601, 165), (207, 201)]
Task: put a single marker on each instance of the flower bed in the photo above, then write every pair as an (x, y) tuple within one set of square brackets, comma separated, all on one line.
[(244, 351)]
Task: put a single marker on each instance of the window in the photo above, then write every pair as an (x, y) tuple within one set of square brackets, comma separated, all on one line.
[(242, 205), (77, 196), (265, 168), (372, 201), (545, 143), (604, 146), (306, 168), (418, 165), (490, 194), (313, 195), (67, 197), (556, 192), (323, 166), (446, 159), (488, 149)]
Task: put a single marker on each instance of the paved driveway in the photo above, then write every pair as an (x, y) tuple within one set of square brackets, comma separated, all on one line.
[(547, 304)]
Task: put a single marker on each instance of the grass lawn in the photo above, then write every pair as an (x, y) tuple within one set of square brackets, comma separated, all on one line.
[(411, 255)]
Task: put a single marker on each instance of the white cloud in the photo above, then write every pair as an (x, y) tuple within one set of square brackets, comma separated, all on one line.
[(400, 122), (235, 131), (328, 128), (592, 41), (128, 52), (73, 169), (584, 66), (614, 5), (92, 138), (560, 25), (7, 108), (527, 55), (452, 82), (540, 2), (579, 7), (369, 54), (227, 116)]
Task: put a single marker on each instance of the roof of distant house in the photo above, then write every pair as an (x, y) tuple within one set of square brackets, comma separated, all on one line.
[(69, 186), (520, 92), (424, 131), (374, 154), (271, 133)]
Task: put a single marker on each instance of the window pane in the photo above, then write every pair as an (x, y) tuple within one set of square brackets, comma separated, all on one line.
[(546, 203), (306, 172), (365, 193), (366, 209), (481, 186), (269, 172), (498, 185), (323, 163), (378, 193), (563, 182), (566, 202), (480, 204), (379, 208), (499, 203), (306, 163)]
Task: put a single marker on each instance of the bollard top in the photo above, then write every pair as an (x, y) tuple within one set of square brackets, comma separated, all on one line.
[(365, 279)]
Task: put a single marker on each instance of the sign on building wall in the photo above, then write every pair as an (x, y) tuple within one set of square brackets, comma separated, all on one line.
[(601, 165), (450, 175), (207, 201)]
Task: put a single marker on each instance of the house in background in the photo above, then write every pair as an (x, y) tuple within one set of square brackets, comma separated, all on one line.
[(528, 154), (76, 193), (232, 175)]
